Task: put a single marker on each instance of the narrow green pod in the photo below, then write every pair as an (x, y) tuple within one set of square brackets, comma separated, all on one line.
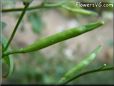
[(79, 10), (45, 42), (58, 37), (76, 69)]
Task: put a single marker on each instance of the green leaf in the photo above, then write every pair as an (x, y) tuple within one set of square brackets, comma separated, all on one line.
[(76, 69), (36, 22)]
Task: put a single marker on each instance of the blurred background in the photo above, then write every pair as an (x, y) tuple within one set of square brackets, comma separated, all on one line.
[(48, 65)]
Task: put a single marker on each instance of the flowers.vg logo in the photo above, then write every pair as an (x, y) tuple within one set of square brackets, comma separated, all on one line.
[(95, 4)]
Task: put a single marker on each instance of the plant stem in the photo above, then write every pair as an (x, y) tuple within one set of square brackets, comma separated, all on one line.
[(15, 29), (19, 9), (43, 5), (88, 72), (13, 52)]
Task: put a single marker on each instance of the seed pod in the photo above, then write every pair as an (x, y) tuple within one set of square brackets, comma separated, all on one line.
[(79, 10), (76, 69), (58, 37), (45, 42)]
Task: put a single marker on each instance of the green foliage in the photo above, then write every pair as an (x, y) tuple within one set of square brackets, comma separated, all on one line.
[(37, 24)]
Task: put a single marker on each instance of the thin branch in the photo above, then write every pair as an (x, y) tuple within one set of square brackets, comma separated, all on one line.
[(15, 29), (43, 5), (19, 9), (89, 72), (12, 52)]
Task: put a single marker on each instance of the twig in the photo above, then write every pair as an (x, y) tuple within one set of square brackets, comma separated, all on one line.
[(43, 5), (89, 72), (15, 29)]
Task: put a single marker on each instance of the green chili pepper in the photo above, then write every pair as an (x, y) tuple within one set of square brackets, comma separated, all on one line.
[(58, 37)]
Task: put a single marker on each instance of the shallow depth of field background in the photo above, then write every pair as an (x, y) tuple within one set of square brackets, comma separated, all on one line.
[(49, 65)]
